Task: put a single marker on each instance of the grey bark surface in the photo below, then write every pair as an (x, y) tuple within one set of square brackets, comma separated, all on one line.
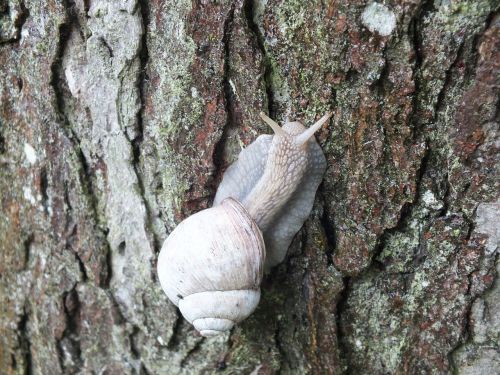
[(118, 119)]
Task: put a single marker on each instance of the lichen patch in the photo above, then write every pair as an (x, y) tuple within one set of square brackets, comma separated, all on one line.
[(379, 19), (30, 153)]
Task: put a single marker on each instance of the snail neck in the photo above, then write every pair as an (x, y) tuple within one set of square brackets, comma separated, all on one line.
[(285, 168)]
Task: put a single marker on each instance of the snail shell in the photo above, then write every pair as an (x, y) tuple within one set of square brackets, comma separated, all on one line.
[(211, 267)]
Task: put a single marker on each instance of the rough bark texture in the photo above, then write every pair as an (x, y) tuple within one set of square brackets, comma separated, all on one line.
[(118, 118)]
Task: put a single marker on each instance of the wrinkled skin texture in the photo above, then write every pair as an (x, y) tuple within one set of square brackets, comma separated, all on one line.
[(117, 120)]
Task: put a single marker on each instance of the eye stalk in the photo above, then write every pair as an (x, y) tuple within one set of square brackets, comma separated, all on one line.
[(273, 124), (307, 134)]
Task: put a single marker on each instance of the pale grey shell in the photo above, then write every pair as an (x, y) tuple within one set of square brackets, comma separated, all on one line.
[(211, 266), (243, 174)]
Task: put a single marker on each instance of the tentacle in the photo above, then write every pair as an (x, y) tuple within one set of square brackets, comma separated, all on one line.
[(304, 137), (273, 124)]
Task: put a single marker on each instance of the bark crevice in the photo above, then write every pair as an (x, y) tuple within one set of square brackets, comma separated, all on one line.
[(251, 15), (24, 341), (218, 153), (68, 345), (71, 23), (15, 23)]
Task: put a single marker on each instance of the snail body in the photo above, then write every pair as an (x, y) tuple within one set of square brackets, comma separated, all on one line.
[(276, 178), (211, 266)]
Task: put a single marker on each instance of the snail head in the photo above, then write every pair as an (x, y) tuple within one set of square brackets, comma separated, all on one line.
[(295, 130)]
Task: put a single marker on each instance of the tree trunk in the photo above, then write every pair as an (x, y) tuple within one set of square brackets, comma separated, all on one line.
[(118, 119)]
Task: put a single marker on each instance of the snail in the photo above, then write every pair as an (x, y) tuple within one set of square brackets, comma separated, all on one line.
[(276, 178), (211, 265)]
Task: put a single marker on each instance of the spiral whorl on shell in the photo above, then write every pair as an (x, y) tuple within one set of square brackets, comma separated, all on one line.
[(211, 267)]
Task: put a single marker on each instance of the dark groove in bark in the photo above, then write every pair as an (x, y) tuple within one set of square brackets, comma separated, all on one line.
[(18, 24), (84, 174), (221, 363), (81, 266), (279, 346), (133, 346), (27, 250), (404, 214), (116, 312), (447, 81), (2, 145), (470, 69), (249, 11), (24, 340), (109, 265), (328, 224), (192, 351), (471, 224), (467, 326), (71, 305), (43, 189), (415, 27), (417, 47), (108, 47), (143, 370), (462, 52), (341, 307), (136, 143), (378, 85), (70, 230), (446, 197), (173, 341), (218, 154), (418, 128)]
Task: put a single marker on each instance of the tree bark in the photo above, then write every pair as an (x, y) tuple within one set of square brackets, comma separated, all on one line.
[(118, 119)]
